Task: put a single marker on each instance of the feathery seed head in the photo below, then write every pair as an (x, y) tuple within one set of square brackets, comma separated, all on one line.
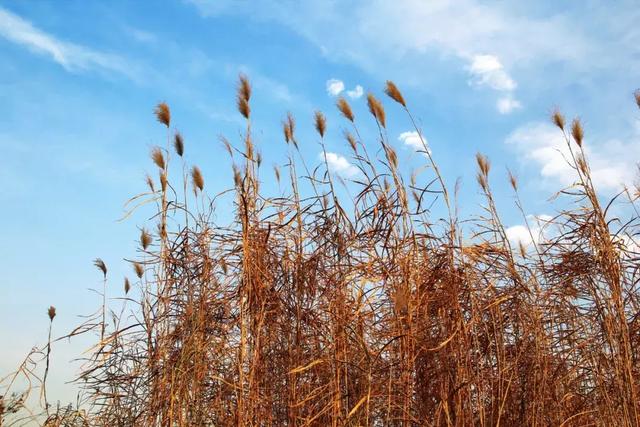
[(178, 144), (145, 239), (51, 312), (227, 145), (345, 109), (376, 109), (483, 164), (150, 184), (288, 128), (513, 180), (351, 140), (558, 119), (127, 285), (393, 157), (394, 93), (291, 121), (157, 157), (198, 180), (286, 131), (243, 107), (163, 114), (101, 266), (244, 94), (320, 123), (244, 87), (636, 95), (291, 124), (577, 132), (139, 269)]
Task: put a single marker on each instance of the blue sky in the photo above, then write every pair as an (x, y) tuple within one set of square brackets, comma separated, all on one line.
[(79, 80)]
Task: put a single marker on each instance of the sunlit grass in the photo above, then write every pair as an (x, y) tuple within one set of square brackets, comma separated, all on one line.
[(318, 308)]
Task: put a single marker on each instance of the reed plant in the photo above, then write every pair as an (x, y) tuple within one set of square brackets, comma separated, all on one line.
[(317, 308)]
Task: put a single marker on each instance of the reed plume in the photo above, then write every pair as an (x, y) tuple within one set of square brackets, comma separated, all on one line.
[(145, 238), (576, 131), (345, 109), (163, 115), (394, 93), (320, 123), (243, 96), (198, 180), (376, 109), (178, 144), (158, 157)]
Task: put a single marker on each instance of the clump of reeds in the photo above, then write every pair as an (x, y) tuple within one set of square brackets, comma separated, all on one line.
[(314, 309)]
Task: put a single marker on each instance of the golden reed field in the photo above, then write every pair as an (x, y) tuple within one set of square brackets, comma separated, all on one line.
[(354, 304)]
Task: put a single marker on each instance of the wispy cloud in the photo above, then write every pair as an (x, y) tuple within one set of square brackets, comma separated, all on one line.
[(460, 27), (71, 56), (413, 140), (491, 40), (340, 165), (277, 89), (612, 162), (508, 104), (487, 70), (141, 36)]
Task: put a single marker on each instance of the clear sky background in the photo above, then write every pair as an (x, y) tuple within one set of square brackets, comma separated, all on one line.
[(79, 80)]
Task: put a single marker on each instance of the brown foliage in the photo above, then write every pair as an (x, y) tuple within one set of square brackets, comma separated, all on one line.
[(301, 314)]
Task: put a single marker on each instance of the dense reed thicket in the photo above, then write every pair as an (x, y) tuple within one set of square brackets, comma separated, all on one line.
[(314, 308)]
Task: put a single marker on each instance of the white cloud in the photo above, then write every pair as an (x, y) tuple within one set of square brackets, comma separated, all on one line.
[(612, 162), (412, 139), (335, 87), (543, 145), (519, 234), (403, 26), (339, 164), (72, 57), (407, 33), (537, 231), (487, 70), (414, 35), (508, 104), (356, 93)]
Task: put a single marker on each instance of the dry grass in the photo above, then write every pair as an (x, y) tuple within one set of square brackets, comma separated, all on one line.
[(305, 312)]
